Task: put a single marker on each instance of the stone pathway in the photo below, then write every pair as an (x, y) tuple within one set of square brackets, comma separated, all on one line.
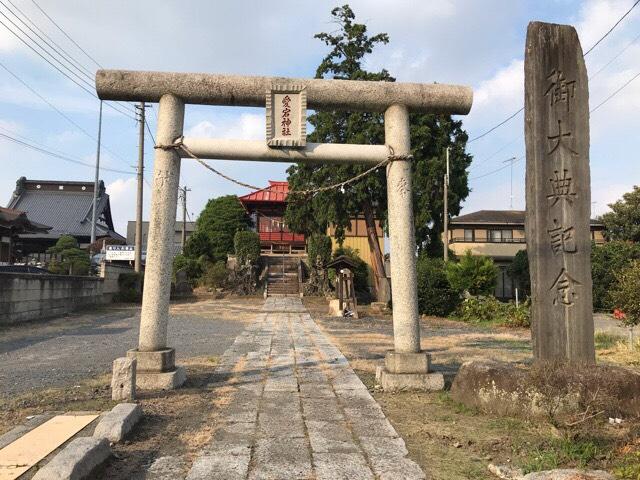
[(298, 411)]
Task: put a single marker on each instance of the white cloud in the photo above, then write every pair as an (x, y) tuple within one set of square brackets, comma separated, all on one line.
[(603, 195), (247, 126), (596, 17), (122, 196), (12, 126), (8, 41), (505, 88)]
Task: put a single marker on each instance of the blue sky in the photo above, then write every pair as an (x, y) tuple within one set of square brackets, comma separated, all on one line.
[(472, 42)]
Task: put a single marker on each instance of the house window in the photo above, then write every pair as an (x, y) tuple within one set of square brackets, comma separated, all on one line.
[(500, 236), (468, 235)]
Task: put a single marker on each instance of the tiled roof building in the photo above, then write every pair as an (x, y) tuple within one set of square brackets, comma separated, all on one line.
[(65, 206)]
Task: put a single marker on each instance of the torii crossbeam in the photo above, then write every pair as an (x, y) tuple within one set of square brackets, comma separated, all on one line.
[(407, 366)]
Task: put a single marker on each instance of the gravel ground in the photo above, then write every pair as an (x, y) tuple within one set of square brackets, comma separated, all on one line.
[(603, 322), (60, 352)]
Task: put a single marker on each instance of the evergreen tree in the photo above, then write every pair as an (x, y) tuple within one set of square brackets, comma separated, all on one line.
[(623, 221), (430, 135), (216, 227)]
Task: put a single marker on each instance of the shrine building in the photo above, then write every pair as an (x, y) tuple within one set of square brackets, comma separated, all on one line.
[(267, 206)]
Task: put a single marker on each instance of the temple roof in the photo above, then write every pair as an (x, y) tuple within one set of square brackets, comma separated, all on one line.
[(276, 192), (66, 206), (18, 221)]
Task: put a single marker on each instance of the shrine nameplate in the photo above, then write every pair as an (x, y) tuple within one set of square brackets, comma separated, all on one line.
[(558, 194), (286, 116)]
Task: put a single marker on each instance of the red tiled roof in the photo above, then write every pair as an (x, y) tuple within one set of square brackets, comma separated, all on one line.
[(276, 192)]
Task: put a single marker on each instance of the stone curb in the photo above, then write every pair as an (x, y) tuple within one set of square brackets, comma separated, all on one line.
[(117, 423), (77, 460)]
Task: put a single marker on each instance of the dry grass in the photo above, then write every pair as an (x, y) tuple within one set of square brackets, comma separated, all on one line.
[(617, 350)]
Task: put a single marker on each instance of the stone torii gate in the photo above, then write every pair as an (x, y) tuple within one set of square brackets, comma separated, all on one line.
[(407, 366)]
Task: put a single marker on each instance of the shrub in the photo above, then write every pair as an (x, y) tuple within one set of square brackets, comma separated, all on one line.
[(193, 267), (626, 294), (215, 275), (435, 295), (474, 274), (517, 316), (607, 260), (72, 260), (482, 309), (129, 287), (247, 247), (361, 273), (319, 246)]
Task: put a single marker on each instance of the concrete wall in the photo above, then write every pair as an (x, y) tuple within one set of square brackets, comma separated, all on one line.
[(25, 296), (110, 272)]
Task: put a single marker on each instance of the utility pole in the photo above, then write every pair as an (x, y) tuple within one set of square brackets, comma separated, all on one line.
[(183, 196), (446, 211), (511, 160), (140, 175), (97, 180)]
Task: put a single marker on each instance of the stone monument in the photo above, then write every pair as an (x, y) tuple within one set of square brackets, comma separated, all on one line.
[(558, 194)]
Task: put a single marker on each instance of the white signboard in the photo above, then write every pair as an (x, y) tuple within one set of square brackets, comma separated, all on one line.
[(286, 116), (120, 252)]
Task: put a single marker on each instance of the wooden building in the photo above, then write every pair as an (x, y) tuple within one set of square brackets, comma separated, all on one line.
[(12, 224), (267, 208)]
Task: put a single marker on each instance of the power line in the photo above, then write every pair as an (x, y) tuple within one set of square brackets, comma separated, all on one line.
[(44, 50), (612, 28), (627, 83), (48, 41), (615, 93), (584, 55), (59, 49), (44, 58), (78, 80), (149, 130), (66, 34), (591, 77), (498, 169), (58, 155), (496, 126), (65, 116)]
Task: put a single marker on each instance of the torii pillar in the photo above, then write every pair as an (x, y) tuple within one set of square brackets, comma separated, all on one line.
[(407, 366)]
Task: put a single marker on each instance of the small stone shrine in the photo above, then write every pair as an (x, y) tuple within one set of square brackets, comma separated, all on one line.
[(345, 287)]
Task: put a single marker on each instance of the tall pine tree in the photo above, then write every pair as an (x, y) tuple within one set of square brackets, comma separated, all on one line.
[(430, 135)]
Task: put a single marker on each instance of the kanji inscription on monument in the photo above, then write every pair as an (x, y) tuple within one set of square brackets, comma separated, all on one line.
[(286, 116), (558, 194)]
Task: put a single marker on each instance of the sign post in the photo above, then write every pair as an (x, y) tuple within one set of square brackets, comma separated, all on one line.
[(120, 252)]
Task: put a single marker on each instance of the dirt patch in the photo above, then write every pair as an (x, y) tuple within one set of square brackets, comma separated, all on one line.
[(175, 423), (91, 395), (451, 441)]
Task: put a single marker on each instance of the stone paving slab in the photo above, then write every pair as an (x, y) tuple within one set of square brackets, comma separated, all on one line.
[(298, 411)]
